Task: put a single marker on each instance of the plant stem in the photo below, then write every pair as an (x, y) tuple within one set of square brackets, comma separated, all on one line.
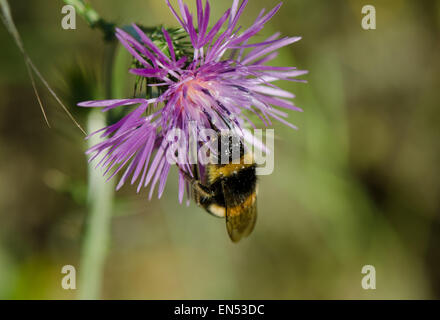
[(100, 192), (101, 196), (97, 233)]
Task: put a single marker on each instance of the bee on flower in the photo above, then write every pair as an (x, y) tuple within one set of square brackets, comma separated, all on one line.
[(224, 79)]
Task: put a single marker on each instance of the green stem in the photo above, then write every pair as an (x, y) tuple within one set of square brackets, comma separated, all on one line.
[(101, 196), (97, 233), (100, 193)]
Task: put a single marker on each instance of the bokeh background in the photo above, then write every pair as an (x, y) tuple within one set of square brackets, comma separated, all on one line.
[(358, 184)]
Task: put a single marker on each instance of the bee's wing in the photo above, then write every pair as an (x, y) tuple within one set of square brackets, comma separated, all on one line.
[(240, 217)]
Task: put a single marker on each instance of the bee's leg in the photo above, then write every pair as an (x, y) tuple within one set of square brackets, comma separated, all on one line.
[(196, 172), (202, 194), (200, 189)]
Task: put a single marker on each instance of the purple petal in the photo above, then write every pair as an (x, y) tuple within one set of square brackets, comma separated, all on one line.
[(111, 103)]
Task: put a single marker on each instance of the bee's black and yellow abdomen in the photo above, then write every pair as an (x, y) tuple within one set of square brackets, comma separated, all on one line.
[(231, 192), (234, 190), (240, 194)]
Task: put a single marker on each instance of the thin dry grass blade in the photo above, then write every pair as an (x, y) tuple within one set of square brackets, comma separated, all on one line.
[(37, 94), (10, 26)]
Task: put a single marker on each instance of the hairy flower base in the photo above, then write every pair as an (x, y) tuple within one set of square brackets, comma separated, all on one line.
[(225, 79)]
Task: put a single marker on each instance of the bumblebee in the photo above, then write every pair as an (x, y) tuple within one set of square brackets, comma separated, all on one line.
[(229, 190)]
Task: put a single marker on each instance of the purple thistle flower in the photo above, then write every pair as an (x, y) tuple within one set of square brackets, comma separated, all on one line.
[(226, 76)]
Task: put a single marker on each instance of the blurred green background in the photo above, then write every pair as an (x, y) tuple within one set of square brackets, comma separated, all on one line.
[(358, 184)]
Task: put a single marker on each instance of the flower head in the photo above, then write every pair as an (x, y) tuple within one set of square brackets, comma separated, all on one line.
[(225, 77)]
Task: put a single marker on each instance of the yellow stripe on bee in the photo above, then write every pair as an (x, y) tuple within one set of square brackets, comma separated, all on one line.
[(223, 171), (237, 210)]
